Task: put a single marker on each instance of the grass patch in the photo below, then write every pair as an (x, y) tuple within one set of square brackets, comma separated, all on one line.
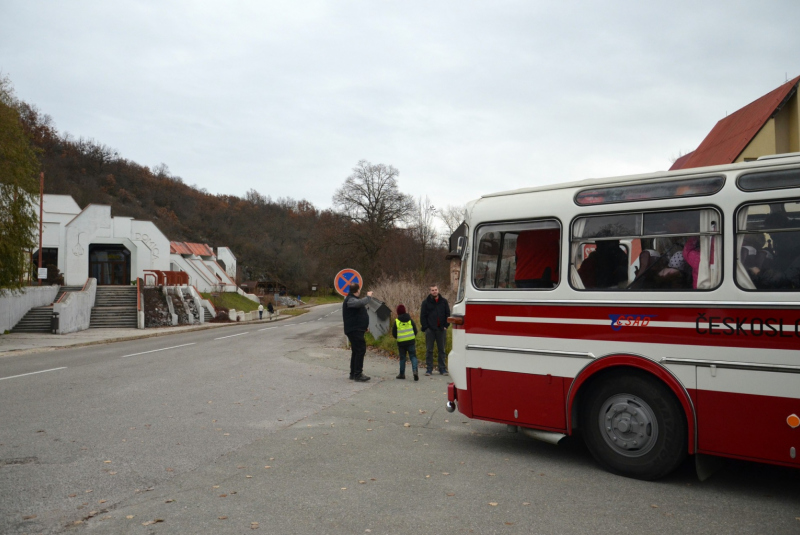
[(389, 344), (322, 299), (231, 300), (293, 311)]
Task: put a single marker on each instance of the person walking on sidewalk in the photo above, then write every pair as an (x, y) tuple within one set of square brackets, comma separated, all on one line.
[(433, 321), (270, 310), (356, 323), (260, 311), (405, 331)]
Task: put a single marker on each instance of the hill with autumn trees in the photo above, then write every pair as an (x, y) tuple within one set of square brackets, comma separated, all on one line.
[(283, 239)]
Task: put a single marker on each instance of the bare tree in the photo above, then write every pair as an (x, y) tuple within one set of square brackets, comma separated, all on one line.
[(424, 230), (452, 216), (372, 201)]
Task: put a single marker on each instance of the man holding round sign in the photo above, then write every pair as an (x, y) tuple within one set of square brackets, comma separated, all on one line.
[(356, 324)]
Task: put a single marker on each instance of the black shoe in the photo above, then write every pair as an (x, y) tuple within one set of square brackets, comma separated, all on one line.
[(352, 377), (401, 376), (416, 376), (361, 378)]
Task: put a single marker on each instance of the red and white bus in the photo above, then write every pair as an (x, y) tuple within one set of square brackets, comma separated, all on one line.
[(656, 315)]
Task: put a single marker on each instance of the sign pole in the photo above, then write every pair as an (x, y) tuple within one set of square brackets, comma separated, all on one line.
[(41, 209)]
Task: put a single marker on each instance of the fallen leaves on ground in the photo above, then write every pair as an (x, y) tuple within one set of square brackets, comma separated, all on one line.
[(29, 517), (493, 504), (151, 522), (129, 517), (223, 517), (253, 525)]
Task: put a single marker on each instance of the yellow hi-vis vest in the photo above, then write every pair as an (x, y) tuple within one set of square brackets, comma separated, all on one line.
[(405, 332)]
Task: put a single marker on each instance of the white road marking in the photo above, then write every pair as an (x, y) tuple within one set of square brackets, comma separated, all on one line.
[(33, 373), (230, 336), (267, 328), (154, 350)]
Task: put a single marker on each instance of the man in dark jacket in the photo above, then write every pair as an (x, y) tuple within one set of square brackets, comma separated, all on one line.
[(433, 321), (356, 323)]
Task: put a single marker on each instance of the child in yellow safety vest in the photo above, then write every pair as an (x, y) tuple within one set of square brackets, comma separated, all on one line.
[(405, 331)]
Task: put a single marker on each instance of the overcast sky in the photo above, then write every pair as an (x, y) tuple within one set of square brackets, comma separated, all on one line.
[(464, 98)]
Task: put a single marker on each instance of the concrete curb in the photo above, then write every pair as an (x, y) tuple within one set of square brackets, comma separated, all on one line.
[(179, 330)]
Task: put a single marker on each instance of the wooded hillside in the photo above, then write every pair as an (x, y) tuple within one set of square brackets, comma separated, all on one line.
[(273, 239)]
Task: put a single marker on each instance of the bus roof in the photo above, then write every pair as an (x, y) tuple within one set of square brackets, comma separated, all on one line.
[(691, 172)]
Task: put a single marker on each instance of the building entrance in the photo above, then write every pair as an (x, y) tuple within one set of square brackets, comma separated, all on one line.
[(110, 264)]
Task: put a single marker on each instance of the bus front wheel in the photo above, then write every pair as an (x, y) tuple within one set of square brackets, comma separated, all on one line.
[(634, 426)]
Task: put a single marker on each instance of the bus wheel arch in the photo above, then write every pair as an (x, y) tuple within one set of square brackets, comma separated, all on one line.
[(634, 390)]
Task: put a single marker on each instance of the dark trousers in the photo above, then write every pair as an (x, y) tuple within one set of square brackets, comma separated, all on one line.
[(435, 336), (358, 348)]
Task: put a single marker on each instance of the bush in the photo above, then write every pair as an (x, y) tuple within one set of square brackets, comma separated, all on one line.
[(223, 315), (411, 293)]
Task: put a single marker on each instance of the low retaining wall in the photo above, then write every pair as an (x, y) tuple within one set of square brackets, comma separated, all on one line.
[(75, 309), (251, 297), (14, 305)]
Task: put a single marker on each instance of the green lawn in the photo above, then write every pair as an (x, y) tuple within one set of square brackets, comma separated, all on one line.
[(321, 300), (293, 311), (231, 300)]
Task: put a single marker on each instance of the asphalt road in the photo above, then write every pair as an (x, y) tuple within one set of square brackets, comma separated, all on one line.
[(257, 427)]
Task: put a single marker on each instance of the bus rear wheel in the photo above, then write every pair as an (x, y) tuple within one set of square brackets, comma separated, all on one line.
[(634, 426)]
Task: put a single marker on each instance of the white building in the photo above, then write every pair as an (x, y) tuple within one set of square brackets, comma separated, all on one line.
[(200, 263), (91, 243)]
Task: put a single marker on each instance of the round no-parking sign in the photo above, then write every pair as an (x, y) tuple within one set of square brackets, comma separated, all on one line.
[(343, 280)]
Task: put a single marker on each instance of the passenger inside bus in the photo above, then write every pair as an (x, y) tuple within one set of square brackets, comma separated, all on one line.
[(605, 267), (779, 268), (536, 255)]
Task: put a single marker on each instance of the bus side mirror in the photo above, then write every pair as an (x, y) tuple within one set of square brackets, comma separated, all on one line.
[(461, 248)]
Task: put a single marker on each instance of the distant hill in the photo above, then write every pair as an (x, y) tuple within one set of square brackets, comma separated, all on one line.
[(284, 239)]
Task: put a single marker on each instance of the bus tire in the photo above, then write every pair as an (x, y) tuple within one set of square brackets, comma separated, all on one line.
[(634, 425)]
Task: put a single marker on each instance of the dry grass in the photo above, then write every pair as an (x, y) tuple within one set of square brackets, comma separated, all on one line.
[(408, 291)]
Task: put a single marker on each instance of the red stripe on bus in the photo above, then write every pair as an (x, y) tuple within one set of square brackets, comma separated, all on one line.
[(728, 327)]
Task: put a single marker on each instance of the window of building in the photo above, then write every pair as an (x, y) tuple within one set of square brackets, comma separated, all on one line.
[(517, 255), (768, 246), (645, 251)]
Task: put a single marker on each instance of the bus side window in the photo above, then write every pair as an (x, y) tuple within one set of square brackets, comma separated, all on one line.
[(518, 256), (768, 246), (673, 250), (536, 254), (486, 260)]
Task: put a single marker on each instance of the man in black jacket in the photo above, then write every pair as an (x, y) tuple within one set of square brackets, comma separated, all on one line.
[(433, 321), (356, 323)]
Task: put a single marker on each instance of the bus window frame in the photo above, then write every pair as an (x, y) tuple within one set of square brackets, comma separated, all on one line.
[(762, 171), (737, 252), (476, 245), (720, 232)]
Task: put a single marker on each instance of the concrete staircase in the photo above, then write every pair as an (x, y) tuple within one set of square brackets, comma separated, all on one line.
[(37, 320), (114, 306)]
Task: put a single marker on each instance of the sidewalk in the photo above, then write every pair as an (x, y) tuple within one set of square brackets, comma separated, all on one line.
[(14, 344)]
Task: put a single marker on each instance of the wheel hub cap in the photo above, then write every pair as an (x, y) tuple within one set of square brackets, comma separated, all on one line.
[(628, 425)]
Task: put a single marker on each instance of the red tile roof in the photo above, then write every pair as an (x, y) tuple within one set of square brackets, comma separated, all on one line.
[(730, 136), (199, 249)]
